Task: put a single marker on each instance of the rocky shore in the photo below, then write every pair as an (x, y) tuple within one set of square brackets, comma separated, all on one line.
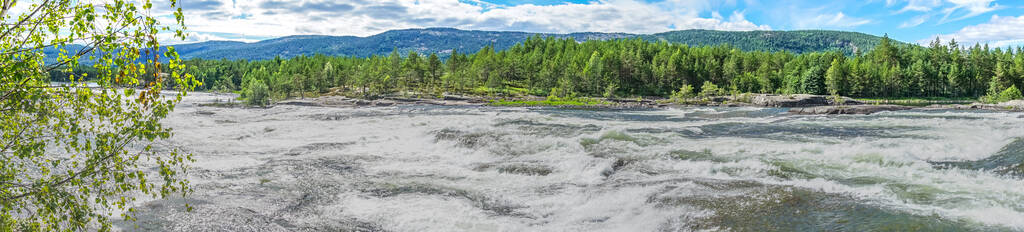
[(1015, 105), (340, 101), (803, 104), (855, 109)]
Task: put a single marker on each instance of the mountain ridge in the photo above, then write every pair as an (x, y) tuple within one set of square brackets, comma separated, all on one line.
[(444, 40)]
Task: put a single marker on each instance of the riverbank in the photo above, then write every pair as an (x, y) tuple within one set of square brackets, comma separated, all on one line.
[(798, 103)]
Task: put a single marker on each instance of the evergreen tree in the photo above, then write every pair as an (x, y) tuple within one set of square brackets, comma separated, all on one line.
[(813, 80), (592, 73), (434, 70), (835, 78)]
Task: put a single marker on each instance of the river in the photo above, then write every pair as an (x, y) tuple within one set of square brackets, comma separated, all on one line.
[(435, 168)]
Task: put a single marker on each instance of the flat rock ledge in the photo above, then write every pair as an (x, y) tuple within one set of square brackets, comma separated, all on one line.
[(339, 101), (798, 100), (1012, 106), (856, 109)]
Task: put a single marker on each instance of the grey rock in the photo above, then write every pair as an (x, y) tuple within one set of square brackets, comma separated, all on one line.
[(1015, 104), (857, 109), (455, 98), (403, 99), (797, 100), (361, 102), (299, 102)]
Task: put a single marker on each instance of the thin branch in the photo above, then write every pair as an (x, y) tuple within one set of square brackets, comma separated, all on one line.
[(11, 143), (80, 53), (90, 47), (24, 19), (6, 6), (12, 24), (88, 170), (34, 27), (8, 94), (38, 47)]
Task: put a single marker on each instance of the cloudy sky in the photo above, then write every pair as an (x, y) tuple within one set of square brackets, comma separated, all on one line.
[(999, 22)]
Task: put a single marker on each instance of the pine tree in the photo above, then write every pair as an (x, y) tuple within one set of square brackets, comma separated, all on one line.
[(434, 69), (835, 78), (592, 73), (813, 80)]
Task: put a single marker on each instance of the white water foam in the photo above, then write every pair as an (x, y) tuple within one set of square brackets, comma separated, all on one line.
[(406, 177)]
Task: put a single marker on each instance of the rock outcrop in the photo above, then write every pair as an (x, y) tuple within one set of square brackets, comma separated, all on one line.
[(857, 109), (1015, 105), (797, 100)]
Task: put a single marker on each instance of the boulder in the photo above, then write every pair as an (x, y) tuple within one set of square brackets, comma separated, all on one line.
[(299, 102), (361, 102), (455, 98), (403, 99)]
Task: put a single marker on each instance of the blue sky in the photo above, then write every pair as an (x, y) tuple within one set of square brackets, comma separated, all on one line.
[(999, 22)]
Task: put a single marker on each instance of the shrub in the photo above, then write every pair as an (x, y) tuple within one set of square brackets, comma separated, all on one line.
[(709, 89), (744, 98), (837, 99), (553, 94), (609, 91), (257, 93), (685, 92), (1009, 94)]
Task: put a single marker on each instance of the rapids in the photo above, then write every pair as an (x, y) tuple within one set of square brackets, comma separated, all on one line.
[(432, 168)]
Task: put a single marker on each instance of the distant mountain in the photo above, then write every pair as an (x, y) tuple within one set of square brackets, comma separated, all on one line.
[(439, 40), (444, 40)]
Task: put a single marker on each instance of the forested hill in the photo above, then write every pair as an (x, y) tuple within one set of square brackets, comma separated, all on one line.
[(792, 41), (444, 40), (433, 40)]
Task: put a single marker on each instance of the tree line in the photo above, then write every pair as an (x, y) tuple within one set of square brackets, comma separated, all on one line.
[(633, 67)]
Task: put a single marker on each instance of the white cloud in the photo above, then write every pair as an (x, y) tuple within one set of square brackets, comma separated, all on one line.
[(168, 38), (998, 31), (832, 20), (915, 21), (952, 10), (973, 8), (919, 5), (1008, 43), (271, 18)]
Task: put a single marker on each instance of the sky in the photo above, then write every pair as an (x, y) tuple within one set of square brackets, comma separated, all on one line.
[(996, 22)]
